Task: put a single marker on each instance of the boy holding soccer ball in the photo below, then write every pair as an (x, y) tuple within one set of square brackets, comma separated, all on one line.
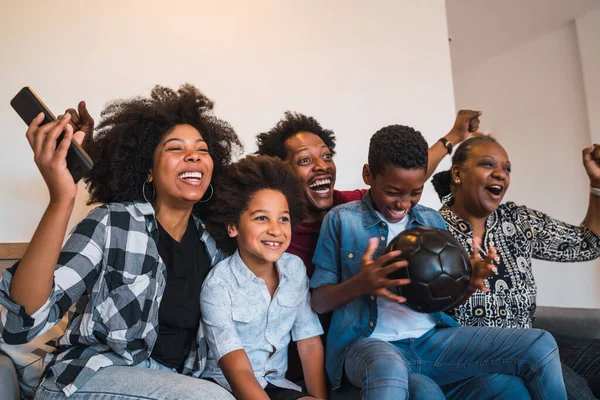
[(374, 340)]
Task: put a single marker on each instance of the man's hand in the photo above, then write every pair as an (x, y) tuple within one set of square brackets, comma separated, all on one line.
[(591, 162), (467, 122), (373, 275), (81, 120)]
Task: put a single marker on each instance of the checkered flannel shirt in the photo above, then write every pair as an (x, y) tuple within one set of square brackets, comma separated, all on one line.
[(110, 274)]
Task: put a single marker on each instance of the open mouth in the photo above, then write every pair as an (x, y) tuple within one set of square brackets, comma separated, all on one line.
[(397, 214), (321, 186), (272, 245), (191, 177), (495, 190)]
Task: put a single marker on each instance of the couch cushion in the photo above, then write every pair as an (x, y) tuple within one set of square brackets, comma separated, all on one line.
[(577, 322)]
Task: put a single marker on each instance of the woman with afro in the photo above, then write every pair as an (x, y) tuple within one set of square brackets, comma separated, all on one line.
[(131, 272)]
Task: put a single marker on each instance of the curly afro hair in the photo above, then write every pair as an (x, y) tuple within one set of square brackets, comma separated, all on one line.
[(242, 180), (398, 145), (272, 143), (442, 181), (130, 130)]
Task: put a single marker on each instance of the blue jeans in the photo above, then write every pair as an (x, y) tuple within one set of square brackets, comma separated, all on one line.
[(451, 355), (9, 384), (151, 381)]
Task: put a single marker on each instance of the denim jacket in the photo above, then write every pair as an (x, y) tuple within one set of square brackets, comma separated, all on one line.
[(344, 236)]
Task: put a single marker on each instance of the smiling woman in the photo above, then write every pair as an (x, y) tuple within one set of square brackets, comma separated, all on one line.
[(472, 192), (140, 257)]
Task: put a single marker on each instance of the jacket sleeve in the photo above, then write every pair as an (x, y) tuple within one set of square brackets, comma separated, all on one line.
[(554, 240)]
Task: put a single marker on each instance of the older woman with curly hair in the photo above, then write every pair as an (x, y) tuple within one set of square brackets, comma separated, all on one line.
[(131, 272)]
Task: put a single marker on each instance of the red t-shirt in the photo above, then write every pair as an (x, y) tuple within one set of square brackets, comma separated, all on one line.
[(303, 245), (306, 235)]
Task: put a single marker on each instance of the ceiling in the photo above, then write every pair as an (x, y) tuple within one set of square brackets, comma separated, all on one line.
[(481, 29)]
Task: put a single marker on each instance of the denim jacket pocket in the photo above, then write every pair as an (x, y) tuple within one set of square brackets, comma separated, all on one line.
[(350, 260)]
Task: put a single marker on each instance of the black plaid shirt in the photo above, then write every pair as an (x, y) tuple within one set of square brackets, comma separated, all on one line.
[(110, 275)]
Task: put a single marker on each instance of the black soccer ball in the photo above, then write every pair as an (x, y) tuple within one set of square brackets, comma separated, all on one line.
[(438, 266)]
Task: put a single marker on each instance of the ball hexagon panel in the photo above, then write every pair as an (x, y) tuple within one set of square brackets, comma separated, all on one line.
[(439, 268)]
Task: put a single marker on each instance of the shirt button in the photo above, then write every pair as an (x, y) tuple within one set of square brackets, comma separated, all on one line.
[(372, 297), (350, 255), (371, 324), (469, 240), (382, 238), (383, 224)]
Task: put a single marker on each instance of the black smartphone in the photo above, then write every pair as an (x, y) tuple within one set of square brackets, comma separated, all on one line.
[(28, 105)]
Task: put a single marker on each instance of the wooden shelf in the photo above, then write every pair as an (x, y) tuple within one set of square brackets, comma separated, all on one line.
[(12, 251)]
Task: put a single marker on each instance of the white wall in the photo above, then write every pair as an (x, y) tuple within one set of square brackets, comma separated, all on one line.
[(355, 66), (588, 38), (533, 100)]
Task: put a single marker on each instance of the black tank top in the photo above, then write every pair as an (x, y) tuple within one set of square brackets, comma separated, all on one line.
[(187, 265)]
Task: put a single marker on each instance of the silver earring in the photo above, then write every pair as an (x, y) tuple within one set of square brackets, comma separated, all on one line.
[(457, 181), (144, 191), (212, 191)]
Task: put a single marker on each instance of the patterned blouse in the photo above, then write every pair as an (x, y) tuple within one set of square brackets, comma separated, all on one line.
[(520, 234)]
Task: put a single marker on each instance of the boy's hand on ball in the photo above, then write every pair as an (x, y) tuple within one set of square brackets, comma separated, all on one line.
[(482, 268), (373, 275)]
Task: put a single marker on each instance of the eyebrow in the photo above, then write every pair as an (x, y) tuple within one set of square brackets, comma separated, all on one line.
[(402, 190), (307, 149), (265, 211), (182, 141)]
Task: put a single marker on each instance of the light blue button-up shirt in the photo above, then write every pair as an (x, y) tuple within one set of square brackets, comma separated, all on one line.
[(239, 313)]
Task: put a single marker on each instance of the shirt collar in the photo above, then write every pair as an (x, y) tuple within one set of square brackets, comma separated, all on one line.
[(242, 273), (370, 217), (463, 225), (144, 209)]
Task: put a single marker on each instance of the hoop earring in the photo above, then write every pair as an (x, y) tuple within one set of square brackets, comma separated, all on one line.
[(212, 191), (144, 191)]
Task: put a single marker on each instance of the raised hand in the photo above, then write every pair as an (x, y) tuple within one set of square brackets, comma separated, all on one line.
[(591, 162), (467, 121), (482, 268), (51, 159), (81, 120), (373, 274)]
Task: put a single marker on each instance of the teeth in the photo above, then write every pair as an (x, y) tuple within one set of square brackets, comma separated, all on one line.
[(197, 175), (320, 182), (273, 244), (498, 187), (397, 212)]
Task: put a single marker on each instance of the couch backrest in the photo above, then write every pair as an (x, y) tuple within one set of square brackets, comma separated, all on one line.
[(11, 252)]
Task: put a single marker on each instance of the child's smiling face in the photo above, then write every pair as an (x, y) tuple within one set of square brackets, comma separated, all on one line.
[(395, 191), (264, 229)]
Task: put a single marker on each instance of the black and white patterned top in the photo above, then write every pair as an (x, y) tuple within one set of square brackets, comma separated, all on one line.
[(110, 275), (520, 234)]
